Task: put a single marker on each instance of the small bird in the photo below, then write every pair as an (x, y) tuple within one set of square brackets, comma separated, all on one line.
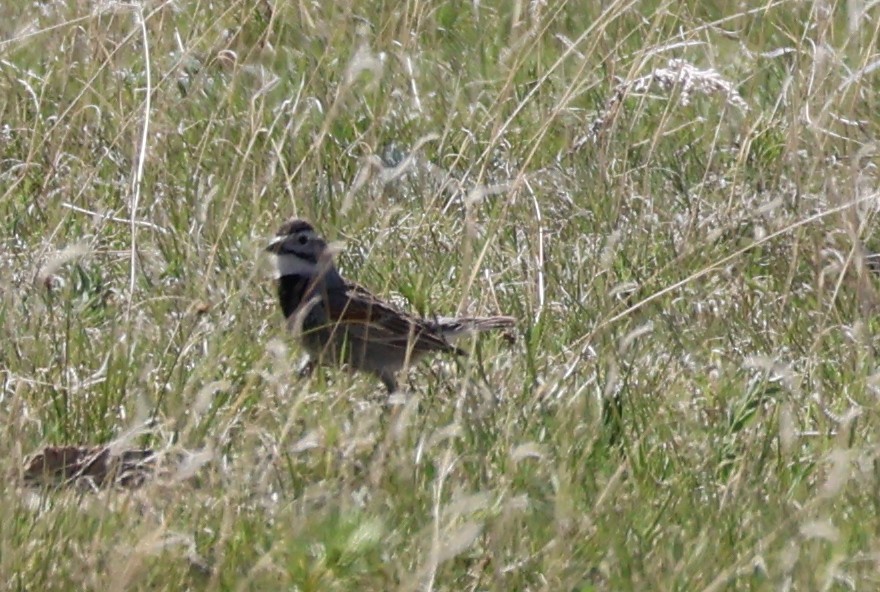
[(341, 323)]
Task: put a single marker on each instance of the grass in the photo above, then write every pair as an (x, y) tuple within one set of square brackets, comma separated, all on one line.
[(691, 403)]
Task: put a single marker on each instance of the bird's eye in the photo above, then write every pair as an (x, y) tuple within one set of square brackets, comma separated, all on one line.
[(303, 239)]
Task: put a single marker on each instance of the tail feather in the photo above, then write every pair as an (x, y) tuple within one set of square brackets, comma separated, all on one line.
[(452, 327)]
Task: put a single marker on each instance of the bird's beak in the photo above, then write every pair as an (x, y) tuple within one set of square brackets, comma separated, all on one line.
[(275, 245)]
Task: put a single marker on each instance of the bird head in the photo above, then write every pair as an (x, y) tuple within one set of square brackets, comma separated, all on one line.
[(297, 248)]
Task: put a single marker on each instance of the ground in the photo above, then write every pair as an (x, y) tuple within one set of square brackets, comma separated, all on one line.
[(676, 200)]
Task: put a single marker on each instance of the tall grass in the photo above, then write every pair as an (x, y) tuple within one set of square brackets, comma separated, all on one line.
[(675, 200)]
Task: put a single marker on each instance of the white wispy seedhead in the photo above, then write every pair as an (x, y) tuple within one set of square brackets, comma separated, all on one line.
[(678, 74)]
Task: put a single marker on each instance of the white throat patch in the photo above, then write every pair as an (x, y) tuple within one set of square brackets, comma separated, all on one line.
[(288, 264)]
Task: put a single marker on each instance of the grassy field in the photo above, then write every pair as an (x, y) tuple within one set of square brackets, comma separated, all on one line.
[(676, 200)]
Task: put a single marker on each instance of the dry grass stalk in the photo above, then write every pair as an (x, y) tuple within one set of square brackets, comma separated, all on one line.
[(678, 74)]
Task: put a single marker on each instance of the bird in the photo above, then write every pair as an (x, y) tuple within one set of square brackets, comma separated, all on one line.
[(341, 323)]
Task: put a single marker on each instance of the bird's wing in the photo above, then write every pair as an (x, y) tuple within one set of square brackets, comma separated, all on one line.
[(369, 318)]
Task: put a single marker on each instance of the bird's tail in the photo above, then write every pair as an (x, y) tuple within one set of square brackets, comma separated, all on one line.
[(451, 327)]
